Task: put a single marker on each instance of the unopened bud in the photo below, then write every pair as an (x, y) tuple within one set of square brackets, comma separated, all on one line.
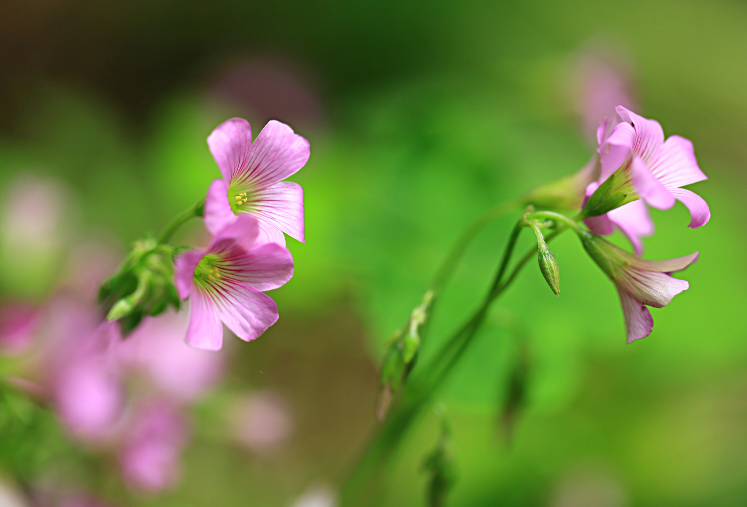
[(549, 267)]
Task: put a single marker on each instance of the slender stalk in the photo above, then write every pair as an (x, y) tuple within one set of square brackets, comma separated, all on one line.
[(457, 250), (195, 211)]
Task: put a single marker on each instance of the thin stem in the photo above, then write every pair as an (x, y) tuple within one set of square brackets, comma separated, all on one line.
[(457, 250), (557, 217), (195, 211)]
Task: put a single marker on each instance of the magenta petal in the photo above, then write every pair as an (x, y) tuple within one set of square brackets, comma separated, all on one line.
[(638, 320), (650, 287), (276, 154), (230, 144), (205, 330), (281, 205), (649, 135), (185, 271), (700, 213), (242, 231), (665, 266), (218, 212), (265, 267), (649, 188), (614, 151), (675, 164), (634, 221), (245, 310)]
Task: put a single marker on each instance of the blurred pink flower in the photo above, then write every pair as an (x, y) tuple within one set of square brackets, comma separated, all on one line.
[(604, 82), (80, 367), (18, 323), (152, 445), (262, 421), (226, 283), (640, 283), (252, 179), (157, 349)]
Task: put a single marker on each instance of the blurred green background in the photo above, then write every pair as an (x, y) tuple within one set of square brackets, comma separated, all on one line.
[(421, 115)]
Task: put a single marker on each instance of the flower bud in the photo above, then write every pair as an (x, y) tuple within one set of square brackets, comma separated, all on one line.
[(441, 467), (143, 285), (549, 268)]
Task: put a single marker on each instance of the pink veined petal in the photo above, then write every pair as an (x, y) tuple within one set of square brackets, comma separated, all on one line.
[(185, 271), (276, 154), (245, 310), (268, 233), (700, 213), (651, 189), (649, 135), (218, 212), (243, 231), (638, 320), (205, 330), (675, 164), (264, 267), (230, 144), (614, 151), (634, 221), (601, 225), (665, 266), (650, 287), (281, 205)]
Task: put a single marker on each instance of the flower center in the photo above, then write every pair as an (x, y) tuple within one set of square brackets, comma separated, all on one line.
[(207, 270), (241, 199)]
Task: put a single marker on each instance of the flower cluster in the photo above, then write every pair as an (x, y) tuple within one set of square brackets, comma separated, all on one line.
[(638, 168)]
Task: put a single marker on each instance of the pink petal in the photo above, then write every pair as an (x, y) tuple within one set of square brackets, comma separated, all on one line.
[(268, 233), (634, 221), (218, 212), (614, 151), (651, 189), (700, 213), (245, 310), (638, 320), (600, 225), (281, 205), (230, 145), (276, 154), (675, 164), (602, 130), (665, 266), (205, 330), (650, 287), (649, 135), (265, 267), (242, 231), (185, 271)]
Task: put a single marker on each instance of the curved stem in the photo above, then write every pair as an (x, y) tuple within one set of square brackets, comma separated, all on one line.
[(195, 211), (557, 217)]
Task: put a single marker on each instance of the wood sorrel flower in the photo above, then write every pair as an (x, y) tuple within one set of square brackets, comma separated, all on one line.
[(252, 175), (636, 163), (640, 283), (225, 283)]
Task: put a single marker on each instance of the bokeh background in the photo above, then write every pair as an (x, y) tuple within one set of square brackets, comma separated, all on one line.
[(421, 115)]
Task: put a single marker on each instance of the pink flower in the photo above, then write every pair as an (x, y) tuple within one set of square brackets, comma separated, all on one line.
[(640, 283), (152, 446), (157, 349), (252, 179), (226, 283), (18, 322), (262, 421), (643, 165)]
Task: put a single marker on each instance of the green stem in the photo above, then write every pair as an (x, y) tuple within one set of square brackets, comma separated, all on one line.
[(457, 250), (195, 211), (360, 483), (559, 218)]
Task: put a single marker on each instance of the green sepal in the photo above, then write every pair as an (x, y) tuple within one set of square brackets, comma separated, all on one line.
[(614, 192)]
